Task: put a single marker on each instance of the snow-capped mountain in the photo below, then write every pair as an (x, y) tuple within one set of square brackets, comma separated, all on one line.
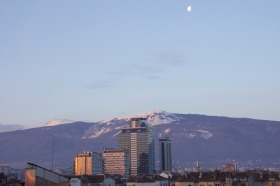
[(194, 137), (58, 122), (157, 117)]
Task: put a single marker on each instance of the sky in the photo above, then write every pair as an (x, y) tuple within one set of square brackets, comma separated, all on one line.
[(94, 60)]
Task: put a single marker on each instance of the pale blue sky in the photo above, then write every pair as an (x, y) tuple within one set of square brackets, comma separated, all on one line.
[(97, 59)]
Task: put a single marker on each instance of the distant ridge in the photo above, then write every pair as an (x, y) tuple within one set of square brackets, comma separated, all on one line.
[(7, 128)]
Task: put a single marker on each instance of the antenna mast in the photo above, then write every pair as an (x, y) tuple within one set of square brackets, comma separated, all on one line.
[(52, 151)]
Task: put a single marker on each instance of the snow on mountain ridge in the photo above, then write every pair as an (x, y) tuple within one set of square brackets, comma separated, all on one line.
[(96, 132), (156, 117), (57, 122)]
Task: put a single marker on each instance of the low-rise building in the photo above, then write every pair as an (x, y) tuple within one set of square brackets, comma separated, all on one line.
[(170, 176), (218, 178), (215, 178), (147, 181), (91, 180), (267, 179)]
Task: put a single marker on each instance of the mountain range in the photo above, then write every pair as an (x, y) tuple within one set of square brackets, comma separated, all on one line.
[(194, 138)]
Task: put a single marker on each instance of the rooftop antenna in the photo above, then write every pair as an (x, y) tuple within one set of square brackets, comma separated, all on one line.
[(52, 151)]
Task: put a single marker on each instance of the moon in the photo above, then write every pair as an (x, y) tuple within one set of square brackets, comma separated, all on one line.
[(189, 8)]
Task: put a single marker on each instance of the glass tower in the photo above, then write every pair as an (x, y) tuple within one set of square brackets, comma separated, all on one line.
[(165, 156), (138, 138)]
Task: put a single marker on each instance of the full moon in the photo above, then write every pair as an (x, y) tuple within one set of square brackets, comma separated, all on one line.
[(189, 8)]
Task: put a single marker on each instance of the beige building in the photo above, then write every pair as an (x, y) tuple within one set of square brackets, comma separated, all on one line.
[(116, 161), (88, 163)]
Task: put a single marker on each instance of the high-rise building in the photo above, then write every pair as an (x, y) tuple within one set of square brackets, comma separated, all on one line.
[(89, 163), (165, 154), (116, 161), (138, 138)]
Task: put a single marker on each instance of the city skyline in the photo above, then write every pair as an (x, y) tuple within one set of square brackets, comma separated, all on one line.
[(95, 60), (211, 134)]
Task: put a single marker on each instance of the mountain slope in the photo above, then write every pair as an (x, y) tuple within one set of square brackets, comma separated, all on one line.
[(194, 137)]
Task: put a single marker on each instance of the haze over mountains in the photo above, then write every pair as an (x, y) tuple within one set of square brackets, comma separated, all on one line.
[(194, 137), (6, 128)]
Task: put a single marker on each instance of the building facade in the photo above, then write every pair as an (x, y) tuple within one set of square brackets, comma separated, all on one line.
[(165, 154), (88, 163), (138, 138), (116, 161), (36, 175)]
